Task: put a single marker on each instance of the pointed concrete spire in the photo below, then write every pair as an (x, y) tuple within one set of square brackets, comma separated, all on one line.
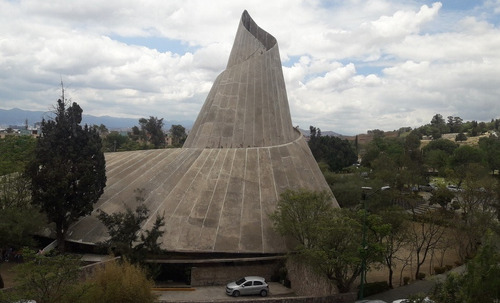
[(247, 105)]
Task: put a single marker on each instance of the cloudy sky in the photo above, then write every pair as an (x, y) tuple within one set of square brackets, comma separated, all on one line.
[(349, 65)]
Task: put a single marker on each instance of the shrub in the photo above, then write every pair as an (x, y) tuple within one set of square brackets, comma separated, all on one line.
[(448, 267), (118, 282), (421, 276), (406, 280)]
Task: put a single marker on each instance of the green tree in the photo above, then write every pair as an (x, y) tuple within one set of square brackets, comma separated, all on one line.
[(479, 283), (18, 218), (153, 128), (336, 152), (114, 141), (460, 137), (178, 133), (68, 170), (329, 239), (441, 144), (490, 146), (438, 126), (462, 159), (117, 282), (340, 254), (395, 239), (300, 215), (101, 129), (125, 238), (436, 160), (15, 152), (46, 279), (425, 235), (441, 196), (454, 124)]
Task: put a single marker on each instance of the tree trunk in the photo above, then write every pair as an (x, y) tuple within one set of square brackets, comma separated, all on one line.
[(60, 237), (391, 273)]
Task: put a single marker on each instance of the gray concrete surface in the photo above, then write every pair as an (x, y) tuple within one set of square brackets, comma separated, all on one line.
[(217, 192)]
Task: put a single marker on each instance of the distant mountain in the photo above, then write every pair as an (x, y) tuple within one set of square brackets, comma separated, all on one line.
[(307, 133), (18, 117)]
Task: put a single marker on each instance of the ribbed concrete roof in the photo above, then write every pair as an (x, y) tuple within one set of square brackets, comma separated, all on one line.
[(217, 191)]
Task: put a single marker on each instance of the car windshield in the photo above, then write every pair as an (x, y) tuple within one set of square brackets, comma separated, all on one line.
[(240, 281)]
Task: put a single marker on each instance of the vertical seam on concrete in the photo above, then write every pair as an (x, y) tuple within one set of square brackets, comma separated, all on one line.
[(172, 213), (261, 97), (245, 109), (254, 103), (260, 204), (272, 174), (187, 189), (224, 201), (243, 197), (215, 186), (144, 164)]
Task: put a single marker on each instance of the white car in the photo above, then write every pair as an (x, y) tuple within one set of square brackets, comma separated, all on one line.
[(426, 300), (251, 285)]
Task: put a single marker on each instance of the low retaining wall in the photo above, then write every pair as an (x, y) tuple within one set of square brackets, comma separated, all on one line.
[(338, 298)]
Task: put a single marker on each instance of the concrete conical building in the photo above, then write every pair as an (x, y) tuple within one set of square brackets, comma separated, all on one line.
[(217, 191)]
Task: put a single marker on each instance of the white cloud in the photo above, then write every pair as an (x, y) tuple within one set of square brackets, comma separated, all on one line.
[(351, 65)]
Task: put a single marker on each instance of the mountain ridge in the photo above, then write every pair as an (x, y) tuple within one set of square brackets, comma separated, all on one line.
[(18, 117)]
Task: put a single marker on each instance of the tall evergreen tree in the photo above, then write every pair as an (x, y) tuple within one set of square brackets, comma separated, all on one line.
[(68, 170)]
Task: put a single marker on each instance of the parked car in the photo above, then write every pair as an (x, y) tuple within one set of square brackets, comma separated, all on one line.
[(426, 300), (251, 285), (454, 188), (427, 187)]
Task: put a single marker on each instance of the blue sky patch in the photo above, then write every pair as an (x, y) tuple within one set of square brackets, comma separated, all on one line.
[(161, 44)]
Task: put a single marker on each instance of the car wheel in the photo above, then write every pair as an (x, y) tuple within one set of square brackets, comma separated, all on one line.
[(263, 293), (236, 293)]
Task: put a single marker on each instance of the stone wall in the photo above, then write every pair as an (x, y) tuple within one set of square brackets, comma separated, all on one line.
[(305, 282)]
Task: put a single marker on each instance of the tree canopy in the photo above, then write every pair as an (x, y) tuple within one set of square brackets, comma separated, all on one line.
[(337, 153), (67, 172), (178, 133), (329, 239), (153, 128)]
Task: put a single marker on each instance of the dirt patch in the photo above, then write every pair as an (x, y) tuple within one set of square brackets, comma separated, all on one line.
[(444, 255)]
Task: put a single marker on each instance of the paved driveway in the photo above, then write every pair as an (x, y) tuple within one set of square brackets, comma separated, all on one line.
[(215, 293)]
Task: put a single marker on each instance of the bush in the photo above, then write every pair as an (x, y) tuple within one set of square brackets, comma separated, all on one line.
[(375, 288), (406, 280), (448, 267), (118, 282), (421, 276)]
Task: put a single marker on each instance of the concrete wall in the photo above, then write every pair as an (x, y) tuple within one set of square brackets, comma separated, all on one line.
[(339, 298), (306, 282), (221, 274)]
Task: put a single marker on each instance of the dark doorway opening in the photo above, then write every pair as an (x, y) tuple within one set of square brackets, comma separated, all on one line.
[(174, 274)]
